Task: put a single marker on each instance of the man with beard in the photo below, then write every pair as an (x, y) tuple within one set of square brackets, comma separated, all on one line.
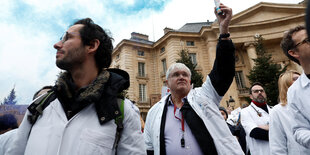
[(82, 118), (255, 121)]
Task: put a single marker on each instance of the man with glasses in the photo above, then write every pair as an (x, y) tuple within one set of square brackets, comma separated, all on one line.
[(255, 121), (81, 119), (296, 47), (188, 121)]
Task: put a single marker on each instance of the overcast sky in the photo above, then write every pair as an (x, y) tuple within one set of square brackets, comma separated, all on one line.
[(29, 29)]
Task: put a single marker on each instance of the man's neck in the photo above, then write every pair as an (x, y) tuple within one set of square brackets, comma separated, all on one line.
[(306, 68), (177, 100), (84, 76)]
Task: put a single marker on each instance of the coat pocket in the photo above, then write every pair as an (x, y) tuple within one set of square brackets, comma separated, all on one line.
[(93, 142)]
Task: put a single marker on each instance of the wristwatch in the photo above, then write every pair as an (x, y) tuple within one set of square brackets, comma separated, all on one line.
[(225, 35)]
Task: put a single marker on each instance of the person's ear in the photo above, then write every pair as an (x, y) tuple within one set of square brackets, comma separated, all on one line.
[(93, 46), (293, 53), (251, 96)]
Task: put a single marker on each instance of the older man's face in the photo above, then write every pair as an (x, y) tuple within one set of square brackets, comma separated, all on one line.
[(179, 81)]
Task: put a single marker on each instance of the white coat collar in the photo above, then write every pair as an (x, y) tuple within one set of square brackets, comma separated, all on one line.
[(304, 80), (258, 109)]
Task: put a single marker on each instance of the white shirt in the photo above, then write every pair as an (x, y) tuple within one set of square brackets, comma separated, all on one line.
[(250, 120), (298, 98), (174, 133), (281, 138)]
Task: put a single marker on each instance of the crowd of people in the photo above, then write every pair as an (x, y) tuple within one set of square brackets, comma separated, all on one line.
[(85, 113)]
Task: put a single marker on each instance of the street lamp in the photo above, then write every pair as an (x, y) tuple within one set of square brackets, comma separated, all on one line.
[(231, 102)]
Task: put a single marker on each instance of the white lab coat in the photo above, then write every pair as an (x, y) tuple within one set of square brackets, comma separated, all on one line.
[(298, 99), (281, 140), (205, 101), (6, 140), (54, 134), (251, 120)]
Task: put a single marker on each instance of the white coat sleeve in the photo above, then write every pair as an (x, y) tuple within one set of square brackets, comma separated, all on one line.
[(6, 140), (19, 141), (277, 136), (301, 126), (247, 121), (131, 142), (207, 90), (148, 131)]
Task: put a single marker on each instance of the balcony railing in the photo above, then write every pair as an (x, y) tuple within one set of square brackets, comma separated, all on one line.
[(142, 76), (144, 103), (243, 91)]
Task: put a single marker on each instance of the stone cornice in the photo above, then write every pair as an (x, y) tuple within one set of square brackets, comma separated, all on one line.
[(130, 43), (266, 22), (175, 34)]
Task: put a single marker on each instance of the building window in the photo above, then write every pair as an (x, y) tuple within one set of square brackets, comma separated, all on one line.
[(163, 62), (141, 69), (117, 56), (240, 82), (142, 92), (162, 50), (141, 53), (190, 43), (193, 58)]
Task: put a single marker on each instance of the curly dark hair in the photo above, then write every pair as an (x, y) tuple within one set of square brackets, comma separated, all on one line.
[(288, 43), (91, 31)]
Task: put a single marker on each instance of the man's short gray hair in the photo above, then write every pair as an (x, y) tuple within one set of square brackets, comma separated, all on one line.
[(177, 66)]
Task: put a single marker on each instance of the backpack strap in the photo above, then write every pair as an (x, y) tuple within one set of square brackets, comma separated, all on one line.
[(37, 106), (119, 123)]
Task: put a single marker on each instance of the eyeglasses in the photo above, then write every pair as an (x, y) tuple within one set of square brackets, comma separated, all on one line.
[(258, 90), (307, 40), (66, 36)]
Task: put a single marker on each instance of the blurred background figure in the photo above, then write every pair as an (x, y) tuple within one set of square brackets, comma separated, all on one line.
[(281, 138), (255, 121), (225, 116), (8, 128), (7, 123), (142, 123), (236, 130)]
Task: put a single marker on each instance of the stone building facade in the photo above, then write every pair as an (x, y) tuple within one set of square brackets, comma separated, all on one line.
[(147, 61)]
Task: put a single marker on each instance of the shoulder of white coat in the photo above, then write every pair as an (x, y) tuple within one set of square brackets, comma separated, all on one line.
[(131, 111), (128, 104), (277, 107), (245, 110), (159, 104), (294, 87), (207, 90), (276, 110)]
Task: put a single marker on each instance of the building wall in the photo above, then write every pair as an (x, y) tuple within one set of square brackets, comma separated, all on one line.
[(267, 19)]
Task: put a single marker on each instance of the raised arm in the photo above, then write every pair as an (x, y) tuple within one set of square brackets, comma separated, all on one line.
[(224, 65)]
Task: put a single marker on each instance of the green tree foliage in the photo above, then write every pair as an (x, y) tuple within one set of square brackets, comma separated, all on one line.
[(10, 99), (186, 59), (265, 71)]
